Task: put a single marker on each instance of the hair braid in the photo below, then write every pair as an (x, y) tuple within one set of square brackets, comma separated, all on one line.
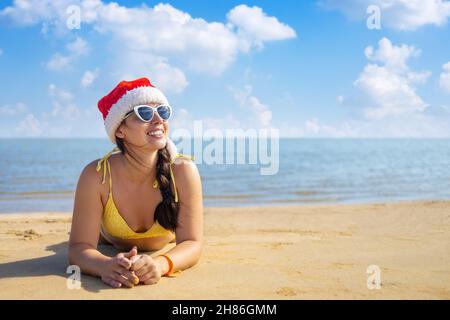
[(166, 212)]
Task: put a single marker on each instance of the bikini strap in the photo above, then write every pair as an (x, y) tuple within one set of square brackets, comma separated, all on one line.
[(105, 163)]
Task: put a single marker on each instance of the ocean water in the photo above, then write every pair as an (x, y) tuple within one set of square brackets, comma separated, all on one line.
[(42, 174)]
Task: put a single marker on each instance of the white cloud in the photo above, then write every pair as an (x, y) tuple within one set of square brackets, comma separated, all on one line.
[(394, 57), (444, 79), (171, 40), (18, 108), (388, 88), (134, 64), (254, 24), (261, 115), (76, 49), (397, 14), (57, 94), (89, 77), (63, 106), (64, 119), (313, 127), (387, 94), (413, 125), (58, 62), (29, 126)]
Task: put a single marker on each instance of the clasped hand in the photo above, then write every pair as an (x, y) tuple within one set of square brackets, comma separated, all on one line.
[(129, 269)]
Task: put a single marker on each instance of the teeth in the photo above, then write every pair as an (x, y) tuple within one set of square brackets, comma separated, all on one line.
[(155, 133)]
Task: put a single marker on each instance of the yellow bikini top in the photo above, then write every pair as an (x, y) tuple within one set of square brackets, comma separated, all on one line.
[(112, 220)]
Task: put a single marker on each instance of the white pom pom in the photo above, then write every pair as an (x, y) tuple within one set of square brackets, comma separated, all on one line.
[(172, 148)]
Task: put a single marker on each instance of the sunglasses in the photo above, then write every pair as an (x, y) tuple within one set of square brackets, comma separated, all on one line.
[(145, 112)]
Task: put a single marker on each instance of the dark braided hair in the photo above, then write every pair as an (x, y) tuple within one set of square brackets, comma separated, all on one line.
[(166, 212)]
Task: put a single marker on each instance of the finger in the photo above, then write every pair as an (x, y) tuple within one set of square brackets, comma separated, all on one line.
[(124, 281), (149, 277), (140, 263), (131, 253), (113, 283), (124, 262), (141, 272), (145, 269), (133, 259), (130, 276)]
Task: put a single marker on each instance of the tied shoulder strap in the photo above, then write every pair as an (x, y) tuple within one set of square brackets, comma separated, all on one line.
[(155, 184), (103, 161)]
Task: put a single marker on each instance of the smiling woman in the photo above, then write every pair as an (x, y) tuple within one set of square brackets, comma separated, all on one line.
[(134, 215)]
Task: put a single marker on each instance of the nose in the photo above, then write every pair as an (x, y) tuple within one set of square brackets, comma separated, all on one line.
[(156, 117)]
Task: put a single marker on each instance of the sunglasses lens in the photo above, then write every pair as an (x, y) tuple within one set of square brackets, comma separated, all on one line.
[(146, 113), (164, 112)]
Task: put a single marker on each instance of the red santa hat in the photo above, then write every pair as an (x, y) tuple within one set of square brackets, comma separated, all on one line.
[(123, 98)]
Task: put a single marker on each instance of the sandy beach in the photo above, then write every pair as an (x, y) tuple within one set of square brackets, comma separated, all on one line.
[(284, 252)]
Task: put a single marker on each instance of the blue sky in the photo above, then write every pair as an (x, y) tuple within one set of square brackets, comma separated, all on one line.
[(307, 68)]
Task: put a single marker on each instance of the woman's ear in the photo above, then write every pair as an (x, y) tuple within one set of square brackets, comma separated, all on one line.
[(119, 132)]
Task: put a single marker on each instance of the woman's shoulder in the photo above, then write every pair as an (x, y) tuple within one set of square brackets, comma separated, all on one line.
[(185, 169), (90, 172)]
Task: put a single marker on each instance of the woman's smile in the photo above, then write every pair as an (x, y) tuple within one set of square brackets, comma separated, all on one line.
[(156, 133)]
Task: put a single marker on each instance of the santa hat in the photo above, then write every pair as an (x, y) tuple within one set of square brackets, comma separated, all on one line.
[(123, 98)]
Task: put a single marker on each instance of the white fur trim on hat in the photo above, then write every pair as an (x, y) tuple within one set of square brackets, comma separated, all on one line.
[(126, 103), (172, 148)]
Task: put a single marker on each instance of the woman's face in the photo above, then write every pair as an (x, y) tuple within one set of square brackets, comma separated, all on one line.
[(151, 134)]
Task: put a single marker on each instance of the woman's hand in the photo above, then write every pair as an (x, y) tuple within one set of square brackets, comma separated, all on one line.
[(117, 271), (146, 268)]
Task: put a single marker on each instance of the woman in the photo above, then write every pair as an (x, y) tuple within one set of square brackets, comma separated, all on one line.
[(153, 195)]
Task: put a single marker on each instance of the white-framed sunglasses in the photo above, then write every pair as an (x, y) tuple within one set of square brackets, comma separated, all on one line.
[(145, 112)]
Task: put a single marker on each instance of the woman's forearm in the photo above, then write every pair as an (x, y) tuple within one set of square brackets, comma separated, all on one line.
[(88, 259), (184, 255)]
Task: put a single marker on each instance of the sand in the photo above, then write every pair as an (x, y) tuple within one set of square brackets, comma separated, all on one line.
[(284, 252)]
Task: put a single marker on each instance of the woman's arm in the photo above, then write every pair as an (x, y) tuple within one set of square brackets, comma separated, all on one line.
[(189, 233), (86, 221)]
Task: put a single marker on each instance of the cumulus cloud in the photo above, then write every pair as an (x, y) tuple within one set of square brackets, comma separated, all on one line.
[(75, 49), (181, 42), (388, 88), (397, 14), (135, 64), (254, 24), (444, 79)]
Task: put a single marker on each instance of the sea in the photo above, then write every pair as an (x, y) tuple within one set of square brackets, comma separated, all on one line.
[(41, 174)]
